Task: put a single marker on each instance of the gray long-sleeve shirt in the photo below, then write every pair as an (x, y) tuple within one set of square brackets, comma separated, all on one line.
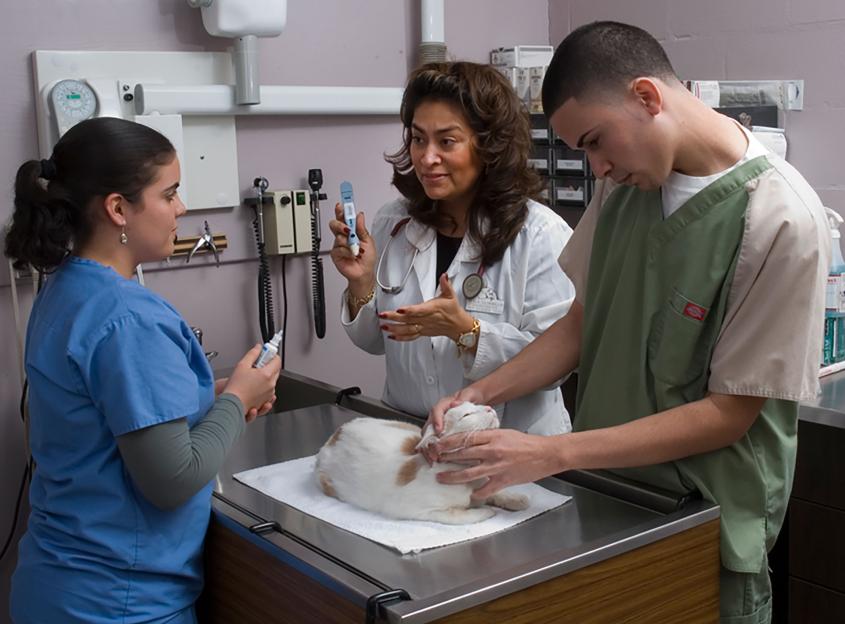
[(169, 462)]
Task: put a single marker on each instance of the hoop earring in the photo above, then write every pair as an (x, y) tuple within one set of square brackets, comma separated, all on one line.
[(123, 239)]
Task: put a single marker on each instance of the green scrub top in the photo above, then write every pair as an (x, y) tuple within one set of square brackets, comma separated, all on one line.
[(654, 306)]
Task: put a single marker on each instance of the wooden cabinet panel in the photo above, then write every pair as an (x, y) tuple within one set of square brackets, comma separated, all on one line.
[(817, 544), (820, 466), (673, 580), (245, 585), (811, 604)]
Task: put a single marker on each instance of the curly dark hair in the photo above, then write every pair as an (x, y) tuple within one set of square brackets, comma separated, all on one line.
[(502, 143)]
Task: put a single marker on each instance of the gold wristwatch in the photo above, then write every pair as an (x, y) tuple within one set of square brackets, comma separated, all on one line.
[(468, 340)]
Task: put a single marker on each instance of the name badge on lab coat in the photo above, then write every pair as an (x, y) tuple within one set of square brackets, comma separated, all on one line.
[(486, 301)]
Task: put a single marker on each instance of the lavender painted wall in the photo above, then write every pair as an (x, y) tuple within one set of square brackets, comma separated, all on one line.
[(750, 39), (366, 43)]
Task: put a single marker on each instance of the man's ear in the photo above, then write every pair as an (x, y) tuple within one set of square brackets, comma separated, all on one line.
[(114, 205), (648, 94)]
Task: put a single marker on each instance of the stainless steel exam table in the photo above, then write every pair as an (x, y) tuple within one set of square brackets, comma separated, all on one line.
[(614, 553)]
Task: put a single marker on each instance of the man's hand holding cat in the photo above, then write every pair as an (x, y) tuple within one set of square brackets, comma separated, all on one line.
[(435, 417), (502, 456)]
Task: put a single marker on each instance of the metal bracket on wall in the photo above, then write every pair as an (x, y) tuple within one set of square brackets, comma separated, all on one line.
[(206, 145), (184, 245), (785, 94)]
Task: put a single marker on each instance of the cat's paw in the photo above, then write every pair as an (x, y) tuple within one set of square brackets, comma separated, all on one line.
[(509, 501), (460, 515)]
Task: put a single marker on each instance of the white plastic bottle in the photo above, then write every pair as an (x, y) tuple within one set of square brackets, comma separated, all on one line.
[(269, 350), (834, 308)]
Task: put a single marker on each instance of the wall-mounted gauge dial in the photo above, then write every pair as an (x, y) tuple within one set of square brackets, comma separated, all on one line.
[(73, 101)]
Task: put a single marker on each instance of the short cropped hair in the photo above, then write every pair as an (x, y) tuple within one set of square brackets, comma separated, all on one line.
[(602, 57)]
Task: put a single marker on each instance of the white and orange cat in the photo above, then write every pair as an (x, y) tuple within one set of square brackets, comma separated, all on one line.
[(374, 464)]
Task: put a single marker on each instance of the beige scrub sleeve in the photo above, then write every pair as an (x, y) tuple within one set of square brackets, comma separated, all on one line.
[(770, 342)]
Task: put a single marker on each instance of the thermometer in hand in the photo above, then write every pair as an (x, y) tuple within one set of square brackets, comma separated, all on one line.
[(349, 216)]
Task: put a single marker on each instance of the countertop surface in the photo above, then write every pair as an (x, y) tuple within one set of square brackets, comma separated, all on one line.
[(829, 407)]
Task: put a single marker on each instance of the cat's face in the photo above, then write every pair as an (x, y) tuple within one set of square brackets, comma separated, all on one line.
[(469, 417)]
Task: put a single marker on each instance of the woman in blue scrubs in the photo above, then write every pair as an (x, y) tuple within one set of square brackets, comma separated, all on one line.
[(127, 425)]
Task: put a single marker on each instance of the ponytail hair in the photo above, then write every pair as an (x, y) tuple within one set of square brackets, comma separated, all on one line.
[(54, 212)]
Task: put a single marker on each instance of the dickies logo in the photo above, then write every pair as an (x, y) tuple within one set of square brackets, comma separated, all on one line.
[(695, 312)]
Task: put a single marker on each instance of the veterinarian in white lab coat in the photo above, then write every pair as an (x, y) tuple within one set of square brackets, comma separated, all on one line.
[(460, 275)]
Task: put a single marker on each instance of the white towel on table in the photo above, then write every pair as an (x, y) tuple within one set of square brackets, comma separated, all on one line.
[(293, 483)]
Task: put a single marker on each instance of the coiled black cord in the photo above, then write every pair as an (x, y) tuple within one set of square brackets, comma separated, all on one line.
[(265, 286), (285, 304), (318, 293)]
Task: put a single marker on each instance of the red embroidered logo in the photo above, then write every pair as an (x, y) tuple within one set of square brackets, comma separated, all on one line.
[(695, 311)]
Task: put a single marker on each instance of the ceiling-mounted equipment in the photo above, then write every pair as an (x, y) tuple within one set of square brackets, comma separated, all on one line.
[(275, 100), (244, 21), (433, 35)]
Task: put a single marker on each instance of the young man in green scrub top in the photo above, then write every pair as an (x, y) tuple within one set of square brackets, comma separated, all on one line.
[(699, 269)]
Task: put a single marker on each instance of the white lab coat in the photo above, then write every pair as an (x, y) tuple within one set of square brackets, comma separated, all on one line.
[(533, 293)]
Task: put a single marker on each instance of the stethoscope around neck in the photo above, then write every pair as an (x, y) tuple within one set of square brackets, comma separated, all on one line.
[(473, 283)]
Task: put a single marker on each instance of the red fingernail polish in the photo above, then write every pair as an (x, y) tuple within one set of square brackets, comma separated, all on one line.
[(401, 311)]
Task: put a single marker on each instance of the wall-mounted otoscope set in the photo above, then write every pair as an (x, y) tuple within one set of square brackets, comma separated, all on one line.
[(287, 221)]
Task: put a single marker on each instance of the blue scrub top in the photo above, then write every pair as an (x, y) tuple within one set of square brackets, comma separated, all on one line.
[(105, 356)]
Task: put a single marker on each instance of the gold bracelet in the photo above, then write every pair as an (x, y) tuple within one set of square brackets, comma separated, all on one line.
[(360, 302)]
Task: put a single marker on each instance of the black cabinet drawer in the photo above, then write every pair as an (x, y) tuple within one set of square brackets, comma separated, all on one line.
[(820, 466), (810, 604), (541, 159), (540, 132), (569, 161), (571, 191), (817, 544)]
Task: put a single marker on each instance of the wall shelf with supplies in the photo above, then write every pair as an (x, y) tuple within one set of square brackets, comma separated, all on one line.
[(569, 181)]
